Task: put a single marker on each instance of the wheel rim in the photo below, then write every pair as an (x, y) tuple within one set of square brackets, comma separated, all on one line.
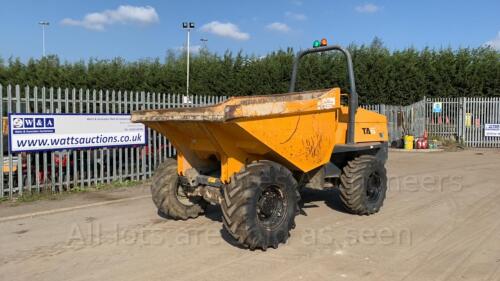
[(271, 207), (373, 187)]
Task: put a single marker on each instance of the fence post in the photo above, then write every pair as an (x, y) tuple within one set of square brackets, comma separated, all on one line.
[(19, 155), (101, 150), (60, 154), (425, 114), (461, 121), (9, 110), (382, 109), (107, 150), (120, 150), (113, 111), (466, 131), (1, 142), (28, 156)]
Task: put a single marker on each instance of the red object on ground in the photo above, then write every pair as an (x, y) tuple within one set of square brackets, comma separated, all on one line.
[(422, 142), (425, 144), (419, 143)]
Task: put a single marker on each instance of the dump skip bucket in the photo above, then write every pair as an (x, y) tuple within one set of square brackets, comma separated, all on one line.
[(295, 129)]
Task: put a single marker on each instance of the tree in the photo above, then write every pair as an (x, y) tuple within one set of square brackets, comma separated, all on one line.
[(382, 76)]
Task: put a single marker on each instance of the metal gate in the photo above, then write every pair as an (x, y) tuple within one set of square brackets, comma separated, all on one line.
[(444, 122), (478, 112), (463, 119), (460, 119)]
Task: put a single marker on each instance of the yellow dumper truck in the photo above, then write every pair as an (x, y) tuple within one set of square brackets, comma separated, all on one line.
[(253, 155)]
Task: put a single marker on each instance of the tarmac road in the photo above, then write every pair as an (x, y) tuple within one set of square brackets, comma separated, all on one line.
[(440, 221)]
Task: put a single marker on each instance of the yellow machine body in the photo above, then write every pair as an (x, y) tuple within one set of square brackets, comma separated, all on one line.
[(297, 130)]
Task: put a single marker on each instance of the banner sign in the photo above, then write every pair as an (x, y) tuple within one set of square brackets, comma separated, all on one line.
[(492, 130), (43, 132)]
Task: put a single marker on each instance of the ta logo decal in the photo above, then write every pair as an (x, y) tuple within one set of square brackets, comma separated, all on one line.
[(369, 131)]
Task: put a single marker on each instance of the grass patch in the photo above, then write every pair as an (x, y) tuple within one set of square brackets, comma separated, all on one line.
[(48, 194), (449, 144), (115, 184), (35, 196)]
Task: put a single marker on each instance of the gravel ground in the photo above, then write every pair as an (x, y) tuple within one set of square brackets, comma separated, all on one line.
[(439, 222)]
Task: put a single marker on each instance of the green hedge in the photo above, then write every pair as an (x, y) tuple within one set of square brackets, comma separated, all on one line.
[(383, 76)]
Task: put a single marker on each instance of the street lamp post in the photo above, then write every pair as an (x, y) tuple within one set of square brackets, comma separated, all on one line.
[(43, 24), (188, 26)]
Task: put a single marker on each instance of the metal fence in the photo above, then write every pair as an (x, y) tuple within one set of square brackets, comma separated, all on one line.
[(60, 170), (460, 119), (464, 119)]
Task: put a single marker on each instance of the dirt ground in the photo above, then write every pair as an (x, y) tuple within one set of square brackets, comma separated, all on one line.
[(440, 221)]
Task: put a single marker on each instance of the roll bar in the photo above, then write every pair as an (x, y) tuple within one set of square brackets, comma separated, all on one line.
[(353, 96)]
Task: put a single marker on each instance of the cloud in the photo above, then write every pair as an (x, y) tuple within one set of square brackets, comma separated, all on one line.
[(494, 43), (278, 26), (295, 16), (367, 8), (225, 29), (124, 14)]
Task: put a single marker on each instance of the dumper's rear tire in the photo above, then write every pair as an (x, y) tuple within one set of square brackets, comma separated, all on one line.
[(260, 204), (168, 194), (363, 185)]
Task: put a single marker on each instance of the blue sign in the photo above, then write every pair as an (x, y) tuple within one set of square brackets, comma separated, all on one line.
[(437, 107)]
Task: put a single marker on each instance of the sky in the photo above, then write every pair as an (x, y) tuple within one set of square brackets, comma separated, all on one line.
[(147, 29)]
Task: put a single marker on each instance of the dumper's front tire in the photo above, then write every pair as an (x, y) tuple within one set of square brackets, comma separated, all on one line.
[(260, 204), (167, 194), (363, 185)]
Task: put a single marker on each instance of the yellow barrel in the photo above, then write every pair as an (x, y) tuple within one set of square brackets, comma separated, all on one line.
[(408, 142)]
